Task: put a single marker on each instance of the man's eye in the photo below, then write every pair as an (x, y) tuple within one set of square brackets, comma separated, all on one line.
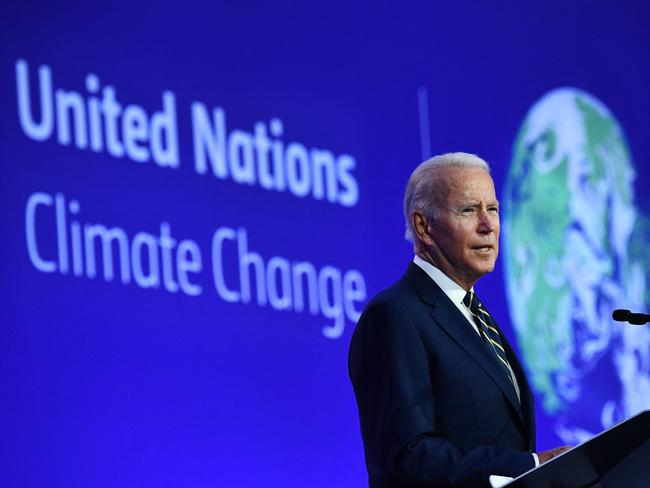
[(467, 211), (493, 209)]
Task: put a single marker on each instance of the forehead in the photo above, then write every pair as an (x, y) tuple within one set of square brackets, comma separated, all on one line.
[(468, 184)]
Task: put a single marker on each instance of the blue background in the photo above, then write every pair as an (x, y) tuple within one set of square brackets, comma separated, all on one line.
[(105, 384)]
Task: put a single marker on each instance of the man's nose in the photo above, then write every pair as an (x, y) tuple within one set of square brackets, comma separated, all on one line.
[(488, 222)]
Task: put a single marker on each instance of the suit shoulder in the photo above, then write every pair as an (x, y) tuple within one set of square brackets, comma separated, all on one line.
[(391, 325), (400, 296), (395, 306)]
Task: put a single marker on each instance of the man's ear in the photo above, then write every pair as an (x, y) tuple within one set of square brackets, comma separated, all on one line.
[(421, 227)]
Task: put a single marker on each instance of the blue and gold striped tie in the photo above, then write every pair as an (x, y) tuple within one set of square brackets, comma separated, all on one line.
[(487, 328)]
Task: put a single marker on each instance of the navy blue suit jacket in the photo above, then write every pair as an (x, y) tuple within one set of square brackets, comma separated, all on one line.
[(435, 406)]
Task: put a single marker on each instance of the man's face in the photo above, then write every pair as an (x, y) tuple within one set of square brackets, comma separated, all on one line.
[(463, 239)]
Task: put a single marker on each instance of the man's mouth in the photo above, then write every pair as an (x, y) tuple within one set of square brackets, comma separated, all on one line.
[(485, 248)]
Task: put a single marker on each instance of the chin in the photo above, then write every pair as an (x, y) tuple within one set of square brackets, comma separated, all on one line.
[(484, 268)]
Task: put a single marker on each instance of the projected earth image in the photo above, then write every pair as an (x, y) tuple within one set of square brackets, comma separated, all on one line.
[(575, 249)]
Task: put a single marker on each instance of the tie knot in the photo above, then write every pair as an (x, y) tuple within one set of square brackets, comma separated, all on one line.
[(472, 301)]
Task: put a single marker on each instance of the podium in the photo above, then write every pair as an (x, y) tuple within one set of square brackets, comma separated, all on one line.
[(616, 458)]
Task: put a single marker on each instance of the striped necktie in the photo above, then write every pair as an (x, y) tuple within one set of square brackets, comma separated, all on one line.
[(487, 328)]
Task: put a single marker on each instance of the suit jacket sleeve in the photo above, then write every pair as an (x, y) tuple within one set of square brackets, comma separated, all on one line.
[(389, 367)]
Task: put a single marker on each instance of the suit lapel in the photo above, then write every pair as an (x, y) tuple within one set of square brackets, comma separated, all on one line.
[(451, 320), (527, 400)]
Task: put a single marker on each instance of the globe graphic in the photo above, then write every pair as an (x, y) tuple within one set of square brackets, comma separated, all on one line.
[(574, 250)]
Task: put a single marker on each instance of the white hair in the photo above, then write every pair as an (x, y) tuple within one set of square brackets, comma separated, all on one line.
[(423, 190)]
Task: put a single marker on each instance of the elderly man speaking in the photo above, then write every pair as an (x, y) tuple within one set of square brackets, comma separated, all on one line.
[(443, 400)]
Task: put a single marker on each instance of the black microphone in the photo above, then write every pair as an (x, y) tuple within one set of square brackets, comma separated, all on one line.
[(633, 318)]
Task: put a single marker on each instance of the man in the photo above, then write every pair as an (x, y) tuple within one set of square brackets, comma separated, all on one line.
[(443, 400)]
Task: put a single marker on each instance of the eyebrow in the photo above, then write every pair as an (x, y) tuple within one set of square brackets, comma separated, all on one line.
[(478, 204)]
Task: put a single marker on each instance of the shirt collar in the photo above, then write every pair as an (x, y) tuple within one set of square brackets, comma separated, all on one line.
[(453, 290)]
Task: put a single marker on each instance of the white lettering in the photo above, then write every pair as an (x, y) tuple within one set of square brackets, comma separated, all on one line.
[(240, 155), (147, 259), (42, 130), (135, 129), (281, 283), (255, 158), (145, 276), (72, 103), (209, 143), (217, 264), (88, 121), (298, 171), (164, 133), (35, 200)]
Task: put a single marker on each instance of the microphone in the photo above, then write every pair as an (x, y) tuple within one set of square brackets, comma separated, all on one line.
[(621, 315)]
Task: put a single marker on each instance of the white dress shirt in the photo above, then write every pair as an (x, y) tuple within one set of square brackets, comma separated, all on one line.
[(453, 290)]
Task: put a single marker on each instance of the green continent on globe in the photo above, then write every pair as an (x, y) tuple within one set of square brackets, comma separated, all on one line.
[(568, 217), (536, 214)]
